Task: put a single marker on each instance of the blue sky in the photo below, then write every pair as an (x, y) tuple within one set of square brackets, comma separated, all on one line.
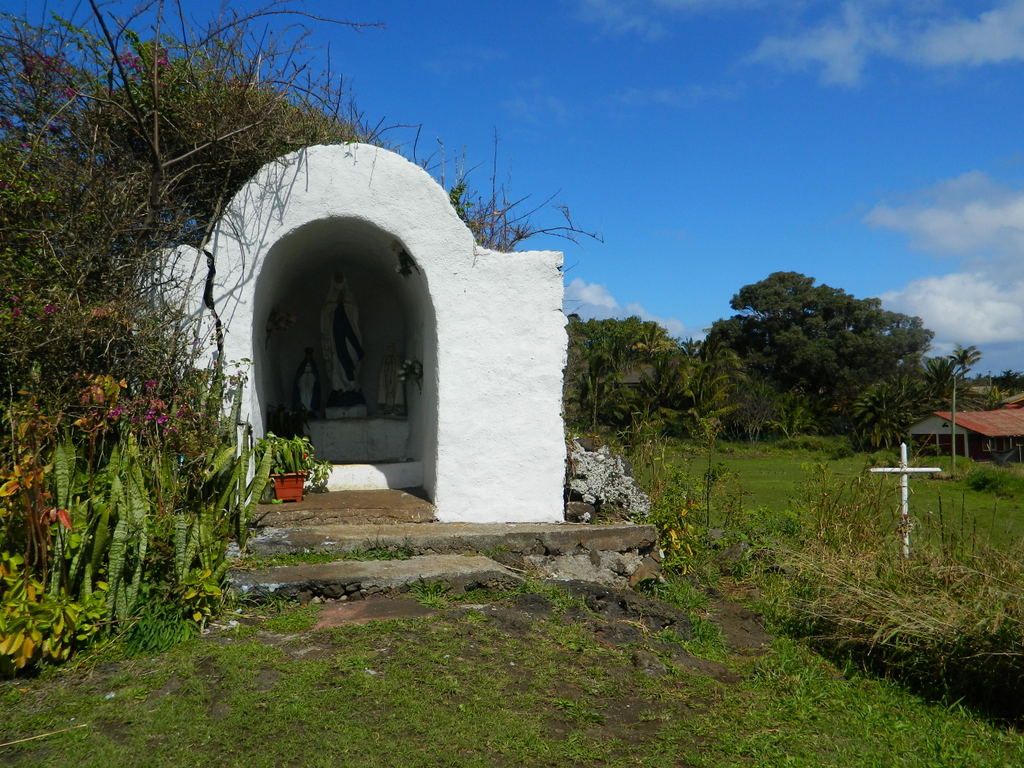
[(874, 145)]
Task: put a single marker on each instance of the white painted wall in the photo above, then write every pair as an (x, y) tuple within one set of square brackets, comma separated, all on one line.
[(489, 327)]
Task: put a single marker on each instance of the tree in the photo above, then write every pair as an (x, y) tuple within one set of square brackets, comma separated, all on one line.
[(940, 376), (817, 339), (601, 353), (882, 415), (757, 404), (119, 141), (965, 358)]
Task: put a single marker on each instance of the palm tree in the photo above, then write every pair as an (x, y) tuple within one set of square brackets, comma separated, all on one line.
[(940, 375), (597, 382), (882, 415), (965, 358), (666, 385)]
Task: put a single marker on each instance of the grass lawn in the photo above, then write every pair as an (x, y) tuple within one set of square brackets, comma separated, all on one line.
[(457, 689), (773, 478)]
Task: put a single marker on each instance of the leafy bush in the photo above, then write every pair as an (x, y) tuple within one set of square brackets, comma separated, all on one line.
[(132, 503), (999, 482), (38, 627), (672, 512), (817, 443)]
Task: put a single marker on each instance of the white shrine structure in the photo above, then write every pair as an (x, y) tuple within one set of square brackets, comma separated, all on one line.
[(337, 269)]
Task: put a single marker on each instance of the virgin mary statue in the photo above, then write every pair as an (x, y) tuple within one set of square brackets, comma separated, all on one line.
[(342, 346)]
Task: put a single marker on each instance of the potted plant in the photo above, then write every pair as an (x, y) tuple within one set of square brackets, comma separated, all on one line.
[(292, 465)]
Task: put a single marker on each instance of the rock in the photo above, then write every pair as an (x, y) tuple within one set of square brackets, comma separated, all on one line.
[(648, 663), (649, 568), (617, 605), (734, 552), (715, 536), (579, 512), (713, 669), (605, 481), (598, 567)]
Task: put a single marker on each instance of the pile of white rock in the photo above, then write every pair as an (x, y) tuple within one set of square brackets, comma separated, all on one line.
[(600, 485)]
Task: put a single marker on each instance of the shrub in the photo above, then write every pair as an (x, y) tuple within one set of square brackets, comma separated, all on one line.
[(134, 502), (999, 482), (818, 443)]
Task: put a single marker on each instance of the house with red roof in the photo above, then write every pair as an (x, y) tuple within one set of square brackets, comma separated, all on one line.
[(982, 435)]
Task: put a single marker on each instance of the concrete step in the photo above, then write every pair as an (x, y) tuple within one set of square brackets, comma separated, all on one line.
[(376, 475), (348, 507), (547, 539), (353, 579)]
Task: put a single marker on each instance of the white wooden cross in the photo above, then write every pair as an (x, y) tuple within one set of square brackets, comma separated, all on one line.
[(904, 472)]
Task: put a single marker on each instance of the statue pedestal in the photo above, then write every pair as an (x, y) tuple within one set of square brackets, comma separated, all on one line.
[(345, 412), (360, 440)]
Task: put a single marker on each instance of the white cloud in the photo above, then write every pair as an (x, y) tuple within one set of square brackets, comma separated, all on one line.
[(590, 299), (622, 17), (538, 109), (650, 18), (995, 36), (972, 307), (982, 302), (843, 45), (593, 300), (684, 96), (962, 216)]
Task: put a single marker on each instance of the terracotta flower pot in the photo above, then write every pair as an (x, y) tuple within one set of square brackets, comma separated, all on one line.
[(289, 487)]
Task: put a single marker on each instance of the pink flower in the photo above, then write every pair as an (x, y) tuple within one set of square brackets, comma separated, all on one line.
[(49, 309), (15, 312)]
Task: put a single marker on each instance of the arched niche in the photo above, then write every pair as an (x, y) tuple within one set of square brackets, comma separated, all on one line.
[(394, 318)]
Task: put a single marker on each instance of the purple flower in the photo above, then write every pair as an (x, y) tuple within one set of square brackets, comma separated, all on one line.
[(130, 60), (49, 309), (15, 312), (161, 419), (150, 385)]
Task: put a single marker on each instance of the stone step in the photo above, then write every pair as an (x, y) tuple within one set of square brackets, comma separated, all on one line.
[(354, 579), (345, 507), (549, 539), (608, 554)]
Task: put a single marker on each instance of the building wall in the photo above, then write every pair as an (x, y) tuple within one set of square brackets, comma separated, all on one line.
[(493, 332)]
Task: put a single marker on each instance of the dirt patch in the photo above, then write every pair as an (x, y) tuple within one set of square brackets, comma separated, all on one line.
[(266, 679), (632, 719), (372, 609), (743, 629), (216, 687)]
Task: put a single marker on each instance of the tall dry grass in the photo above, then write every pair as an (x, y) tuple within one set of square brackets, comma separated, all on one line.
[(949, 620)]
